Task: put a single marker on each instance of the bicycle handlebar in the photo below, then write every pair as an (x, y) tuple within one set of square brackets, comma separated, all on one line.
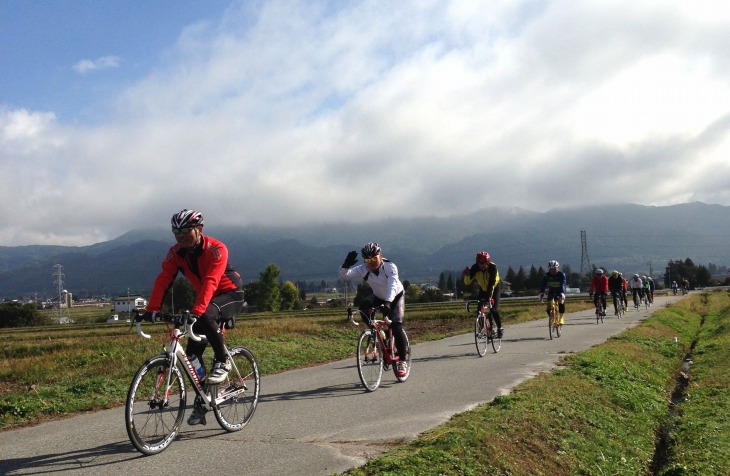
[(486, 302), (351, 312), (185, 319)]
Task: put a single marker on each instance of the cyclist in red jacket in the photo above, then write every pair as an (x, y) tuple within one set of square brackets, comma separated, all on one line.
[(204, 262), (599, 289)]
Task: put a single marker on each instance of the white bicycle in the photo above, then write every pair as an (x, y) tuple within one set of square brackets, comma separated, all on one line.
[(156, 400)]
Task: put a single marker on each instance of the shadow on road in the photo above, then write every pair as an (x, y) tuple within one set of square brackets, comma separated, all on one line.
[(329, 391), (59, 462)]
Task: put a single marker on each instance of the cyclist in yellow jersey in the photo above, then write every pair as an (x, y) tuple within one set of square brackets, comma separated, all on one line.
[(486, 275)]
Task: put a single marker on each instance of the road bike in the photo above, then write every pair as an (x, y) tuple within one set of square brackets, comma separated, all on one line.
[(618, 304), (599, 313), (554, 325), (157, 397), (647, 300), (638, 297), (376, 349), (600, 310), (485, 332)]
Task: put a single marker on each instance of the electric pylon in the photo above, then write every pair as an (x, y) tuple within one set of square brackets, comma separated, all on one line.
[(585, 261)]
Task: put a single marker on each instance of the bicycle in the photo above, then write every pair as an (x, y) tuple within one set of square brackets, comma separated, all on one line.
[(484, 331), (376, 349), (599, 312), (618, 304), (554, 326), (156, 401)]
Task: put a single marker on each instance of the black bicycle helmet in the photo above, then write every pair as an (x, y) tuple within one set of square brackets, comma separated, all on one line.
[(370, 250), (187, 219)]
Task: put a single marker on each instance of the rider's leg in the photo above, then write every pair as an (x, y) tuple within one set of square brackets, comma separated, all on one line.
[(561, 310), (396, 317), (495, 313)]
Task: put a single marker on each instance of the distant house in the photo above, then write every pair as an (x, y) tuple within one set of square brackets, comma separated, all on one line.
[(129, 304)]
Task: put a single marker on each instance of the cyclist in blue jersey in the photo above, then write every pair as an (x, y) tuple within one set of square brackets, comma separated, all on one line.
[(554, 284)]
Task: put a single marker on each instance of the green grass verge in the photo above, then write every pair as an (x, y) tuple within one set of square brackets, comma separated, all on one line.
[(601, 413)]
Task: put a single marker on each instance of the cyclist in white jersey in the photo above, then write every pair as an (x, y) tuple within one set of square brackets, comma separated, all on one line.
[(387, 290)]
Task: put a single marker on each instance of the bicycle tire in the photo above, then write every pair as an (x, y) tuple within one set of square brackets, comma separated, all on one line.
[(153, 424), (369, 360), (235, 400), (408, 361), (480, 335), (553, 325)]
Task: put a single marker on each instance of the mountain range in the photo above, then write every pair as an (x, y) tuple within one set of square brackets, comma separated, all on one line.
[(628, 237)]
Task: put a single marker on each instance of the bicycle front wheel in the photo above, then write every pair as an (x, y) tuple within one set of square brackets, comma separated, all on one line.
[(552, 320), (480, 335), (369, 360), (155, 405), (237, 396)]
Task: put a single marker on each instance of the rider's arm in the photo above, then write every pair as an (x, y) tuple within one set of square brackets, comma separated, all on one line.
[(493, 279), (354, 272)]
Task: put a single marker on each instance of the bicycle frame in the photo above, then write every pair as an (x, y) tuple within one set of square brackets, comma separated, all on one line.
[(390, 354), (175, 353)]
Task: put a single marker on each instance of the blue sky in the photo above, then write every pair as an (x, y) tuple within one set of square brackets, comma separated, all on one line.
[(114, 115)]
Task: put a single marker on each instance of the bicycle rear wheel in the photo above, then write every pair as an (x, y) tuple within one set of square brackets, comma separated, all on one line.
[(408, 361), (154, 412), (369, 360), (238, 395), (480, 335)]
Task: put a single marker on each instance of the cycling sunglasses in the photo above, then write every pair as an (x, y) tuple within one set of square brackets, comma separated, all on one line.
[(183, 230)]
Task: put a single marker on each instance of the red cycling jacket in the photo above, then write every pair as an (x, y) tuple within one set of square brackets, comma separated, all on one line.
[(599, 284), (207, 269)]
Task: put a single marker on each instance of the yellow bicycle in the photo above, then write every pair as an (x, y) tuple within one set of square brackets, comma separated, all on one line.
[(554, 325)]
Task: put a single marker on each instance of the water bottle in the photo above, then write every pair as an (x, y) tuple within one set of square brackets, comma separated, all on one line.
[(198, 366)]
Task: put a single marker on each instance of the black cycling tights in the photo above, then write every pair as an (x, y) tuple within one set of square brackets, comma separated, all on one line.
[(400, 339)]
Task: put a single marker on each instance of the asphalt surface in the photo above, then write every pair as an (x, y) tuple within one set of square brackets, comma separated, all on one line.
[(320, 420)]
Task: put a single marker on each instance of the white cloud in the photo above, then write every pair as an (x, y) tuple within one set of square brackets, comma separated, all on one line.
[(87, 66), (289, 112)]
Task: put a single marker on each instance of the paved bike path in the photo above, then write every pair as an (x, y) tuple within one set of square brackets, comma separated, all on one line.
[(320, 420)]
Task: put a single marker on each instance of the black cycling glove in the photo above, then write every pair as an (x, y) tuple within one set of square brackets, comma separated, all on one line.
[(350, 260)]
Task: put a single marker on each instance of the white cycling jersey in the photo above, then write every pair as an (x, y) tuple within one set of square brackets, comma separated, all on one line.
[(636, 283), (383, 281)]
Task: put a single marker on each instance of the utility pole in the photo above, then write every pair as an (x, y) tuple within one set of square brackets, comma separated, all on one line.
[(585, 262)]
